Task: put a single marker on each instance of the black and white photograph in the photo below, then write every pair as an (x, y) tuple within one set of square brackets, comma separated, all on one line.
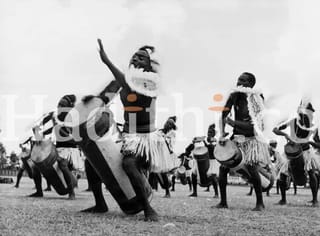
[(149, 117)]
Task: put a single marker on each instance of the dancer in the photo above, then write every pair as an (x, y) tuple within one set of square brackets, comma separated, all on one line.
[(304, 138), (142, 145), (247, 125)]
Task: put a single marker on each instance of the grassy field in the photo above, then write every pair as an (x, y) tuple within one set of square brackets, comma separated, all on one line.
[(179, 215)]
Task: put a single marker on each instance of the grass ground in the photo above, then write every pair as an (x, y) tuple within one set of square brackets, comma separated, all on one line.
[(179, 215)]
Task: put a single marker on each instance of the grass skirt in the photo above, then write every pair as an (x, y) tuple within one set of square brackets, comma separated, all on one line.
[(150, 148), (311, 162), (72, 155), (254, 152)]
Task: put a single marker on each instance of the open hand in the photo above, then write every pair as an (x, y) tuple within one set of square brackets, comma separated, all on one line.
[(102, 53)]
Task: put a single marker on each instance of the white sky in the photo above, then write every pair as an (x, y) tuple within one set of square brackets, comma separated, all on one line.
[(49, 48)]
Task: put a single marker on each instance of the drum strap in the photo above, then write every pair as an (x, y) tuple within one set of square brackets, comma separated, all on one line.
[(170, 151)]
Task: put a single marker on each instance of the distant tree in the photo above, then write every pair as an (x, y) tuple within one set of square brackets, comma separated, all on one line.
[(2, 150)]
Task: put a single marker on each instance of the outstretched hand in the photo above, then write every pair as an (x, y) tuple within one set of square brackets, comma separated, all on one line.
[(102, 53)]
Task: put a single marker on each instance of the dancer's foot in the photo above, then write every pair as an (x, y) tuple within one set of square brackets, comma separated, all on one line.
[(96, 209), (72, 195), (221, 205), (259, 207), (150, 215), (314, 203), (36, 194), (282, 202)]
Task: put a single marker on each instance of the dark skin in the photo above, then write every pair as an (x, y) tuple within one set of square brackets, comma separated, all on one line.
[(313, 175), (212, 179), (252, 169), (134, 171)]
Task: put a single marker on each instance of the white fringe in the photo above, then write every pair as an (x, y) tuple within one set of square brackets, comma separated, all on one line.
[(146, 83), (256, 108), (255, 152), (153, 147)]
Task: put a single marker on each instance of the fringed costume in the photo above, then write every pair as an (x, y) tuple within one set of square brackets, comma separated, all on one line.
[(140, 137), (248, 105), (301, 135)]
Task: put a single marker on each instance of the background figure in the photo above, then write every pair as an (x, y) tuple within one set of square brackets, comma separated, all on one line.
[(65, 145), (303, 137), (206, 168)]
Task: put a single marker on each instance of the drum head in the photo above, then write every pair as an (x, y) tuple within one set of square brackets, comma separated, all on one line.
[(82, 113), (225, 152), (293, 150), (199, 151), (41, 150), (181, 170)]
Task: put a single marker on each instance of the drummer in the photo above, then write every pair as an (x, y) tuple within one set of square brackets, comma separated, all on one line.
[(66, 146), (304, 133), (247, 124), (185, 161), (213, 169), (142, 145), (169, 133), (25, 154)]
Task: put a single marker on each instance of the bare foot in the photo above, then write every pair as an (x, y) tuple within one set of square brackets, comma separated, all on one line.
[(315, 204), (96, 209), (36, 194), (221, 205), (150, 215), (282, 202), (259, 207), (72, 196)]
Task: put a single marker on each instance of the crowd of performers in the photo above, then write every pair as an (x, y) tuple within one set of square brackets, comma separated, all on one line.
[(123, 156)]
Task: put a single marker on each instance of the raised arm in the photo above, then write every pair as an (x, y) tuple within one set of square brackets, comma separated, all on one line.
[(118, 75), (110, 91), (278, 131)]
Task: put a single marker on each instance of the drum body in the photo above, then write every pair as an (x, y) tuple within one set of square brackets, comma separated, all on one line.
[(181, 174), (201, 155), (44, 155), (294, 154), (229, 155), (101, 146)]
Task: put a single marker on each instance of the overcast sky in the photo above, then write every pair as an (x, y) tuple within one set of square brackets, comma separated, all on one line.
[(48, 49)]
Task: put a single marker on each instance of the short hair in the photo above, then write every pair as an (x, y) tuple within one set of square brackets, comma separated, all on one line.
[(154, 64), (67, 101), (251, 78)]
